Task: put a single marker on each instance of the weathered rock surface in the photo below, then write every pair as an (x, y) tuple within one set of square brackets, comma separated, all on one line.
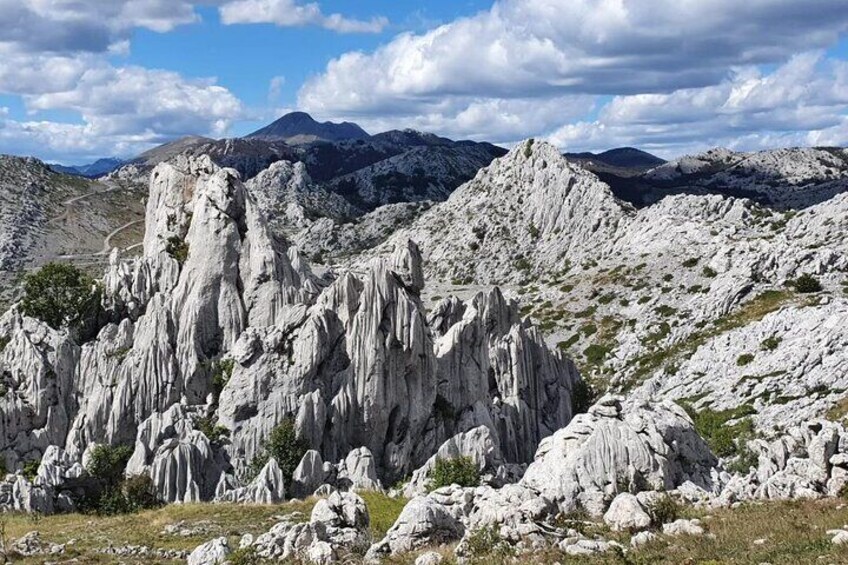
[(338, 526), (626, 513), (619, 447), (210, 553)]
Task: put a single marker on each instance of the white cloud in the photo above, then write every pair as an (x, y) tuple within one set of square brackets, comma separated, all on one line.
[(94, 26), (275, 88), (289, 13), (802, 102), (123, 111), (547, 50)]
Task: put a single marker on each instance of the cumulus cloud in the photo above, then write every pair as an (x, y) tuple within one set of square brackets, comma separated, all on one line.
[(123, 111), (289, 13), (522, 48), (93, 26), (802, 102), (550, 50)]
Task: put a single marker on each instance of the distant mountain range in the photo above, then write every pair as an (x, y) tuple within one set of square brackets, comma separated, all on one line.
[(366, 170), (92, 170), (299, 127), (627, 157)]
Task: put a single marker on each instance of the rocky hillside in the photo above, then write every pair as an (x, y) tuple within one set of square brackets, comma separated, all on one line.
[(531, 365), (46, 216), (235, 334), (782, 178), (657, 294), (367, 171)]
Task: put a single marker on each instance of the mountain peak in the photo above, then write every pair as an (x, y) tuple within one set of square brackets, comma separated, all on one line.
[(299, 127)]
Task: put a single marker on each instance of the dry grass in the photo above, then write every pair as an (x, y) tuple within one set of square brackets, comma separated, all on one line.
[(146, 528), (793, 533)]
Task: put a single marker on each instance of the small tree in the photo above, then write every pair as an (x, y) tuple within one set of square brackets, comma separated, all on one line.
[(582, 397), (60, 295), (460, 471), (284, 446)]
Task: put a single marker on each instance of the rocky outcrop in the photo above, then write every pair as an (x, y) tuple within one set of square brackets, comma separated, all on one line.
[(477, 443), (618, 447), (522, 215), (338, 526), (220, 327), (268, 487), (212, 552), (792, 370)]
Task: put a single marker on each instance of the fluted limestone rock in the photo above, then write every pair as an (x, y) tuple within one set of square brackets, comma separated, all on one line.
[(614, 447), (477, 443), (37, 368), (358, 471), (178, 458), (268, 487), (218, 319), (495, 370), (338, 527), (308, 475)]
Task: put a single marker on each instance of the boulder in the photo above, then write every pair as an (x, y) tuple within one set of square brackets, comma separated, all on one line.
[(214, 552), (626, 513), (615, 446)]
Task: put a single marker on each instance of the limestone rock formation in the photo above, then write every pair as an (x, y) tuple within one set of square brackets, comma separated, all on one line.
[(618, 447), (219, 333), (338, 526)]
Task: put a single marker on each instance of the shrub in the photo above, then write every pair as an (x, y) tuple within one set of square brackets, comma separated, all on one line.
[(691, 262), (244, 556), (214, 433), (177, 248), (284, 446), (109, 492), (595, 353), (582, 397), (107, 463), (745, 459), (222, 370), (806, 284), (606, 298), (30, 469), (721, 436), (461, 471), (60, 295), (487, 541), (744, 359), (664, 510), (709, 273), (665, 310), (770, 343), (132, 494)]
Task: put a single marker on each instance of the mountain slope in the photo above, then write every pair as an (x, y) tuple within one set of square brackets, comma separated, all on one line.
[(298, 128), (47, 216), (785, 178), (528, 213), (92, 170), (622, 157)]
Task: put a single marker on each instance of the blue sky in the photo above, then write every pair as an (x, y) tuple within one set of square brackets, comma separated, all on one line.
[(81, 79)]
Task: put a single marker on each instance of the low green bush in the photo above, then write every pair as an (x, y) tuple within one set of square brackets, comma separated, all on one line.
[(460, 471), (806, 284)]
